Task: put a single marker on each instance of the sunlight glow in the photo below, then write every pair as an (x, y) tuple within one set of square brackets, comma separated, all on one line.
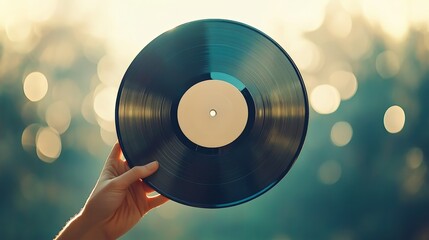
[(418, 11), (40, 11), (298, 14), (390, 15)]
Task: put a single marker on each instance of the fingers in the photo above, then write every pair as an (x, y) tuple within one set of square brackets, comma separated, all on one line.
[(135, 173), (116, 151), (156, 201)]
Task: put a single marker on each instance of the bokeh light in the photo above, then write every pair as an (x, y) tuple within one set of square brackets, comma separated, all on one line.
[(60, 67), (341, 133), (28, 138), (68, 92), (48, 144), (58, 116), (104, 103), (110, 69), (387, 64), (394, 119), (306, 54), (60, 53), (330, 172), (109, 137), (345, 82), (414, 158), (87, 109), (414, 180), (340, 24), (18, 30), (358, 45), (325, 99), (35, 86)]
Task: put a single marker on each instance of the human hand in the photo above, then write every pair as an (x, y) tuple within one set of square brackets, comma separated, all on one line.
[(119, 200)]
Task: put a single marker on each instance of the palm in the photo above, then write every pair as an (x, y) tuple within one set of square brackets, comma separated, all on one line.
[(120, 204), (130, 210)]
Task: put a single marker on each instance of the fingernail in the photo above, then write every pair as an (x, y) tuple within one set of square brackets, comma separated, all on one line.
[(152, 165)]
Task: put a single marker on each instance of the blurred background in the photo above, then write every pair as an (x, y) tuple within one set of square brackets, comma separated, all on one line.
[(362, 173)]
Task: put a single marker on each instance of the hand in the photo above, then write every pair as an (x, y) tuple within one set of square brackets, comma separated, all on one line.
[(119, 200)]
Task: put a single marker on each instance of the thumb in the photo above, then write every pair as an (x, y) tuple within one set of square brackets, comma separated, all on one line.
[(135, 173)]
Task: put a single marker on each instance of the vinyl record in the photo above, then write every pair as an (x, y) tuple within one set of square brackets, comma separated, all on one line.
[(222, 108)]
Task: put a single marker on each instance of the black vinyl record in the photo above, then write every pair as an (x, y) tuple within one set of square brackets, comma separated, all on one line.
[(254, 98)]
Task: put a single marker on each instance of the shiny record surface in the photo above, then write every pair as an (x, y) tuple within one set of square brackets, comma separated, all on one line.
[(259, 155)]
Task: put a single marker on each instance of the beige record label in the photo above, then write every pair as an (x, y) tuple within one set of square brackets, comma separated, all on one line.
[(212, 113)]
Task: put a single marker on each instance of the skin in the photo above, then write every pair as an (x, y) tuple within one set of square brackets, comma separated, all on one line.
[(118, 201)]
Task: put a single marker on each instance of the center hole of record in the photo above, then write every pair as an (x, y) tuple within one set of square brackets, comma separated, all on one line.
[(213, 113)]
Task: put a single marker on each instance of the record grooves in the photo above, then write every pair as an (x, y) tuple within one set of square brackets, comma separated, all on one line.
[(222, 108)]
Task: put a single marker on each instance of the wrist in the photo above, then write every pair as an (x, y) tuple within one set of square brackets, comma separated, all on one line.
[(82, 227)]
